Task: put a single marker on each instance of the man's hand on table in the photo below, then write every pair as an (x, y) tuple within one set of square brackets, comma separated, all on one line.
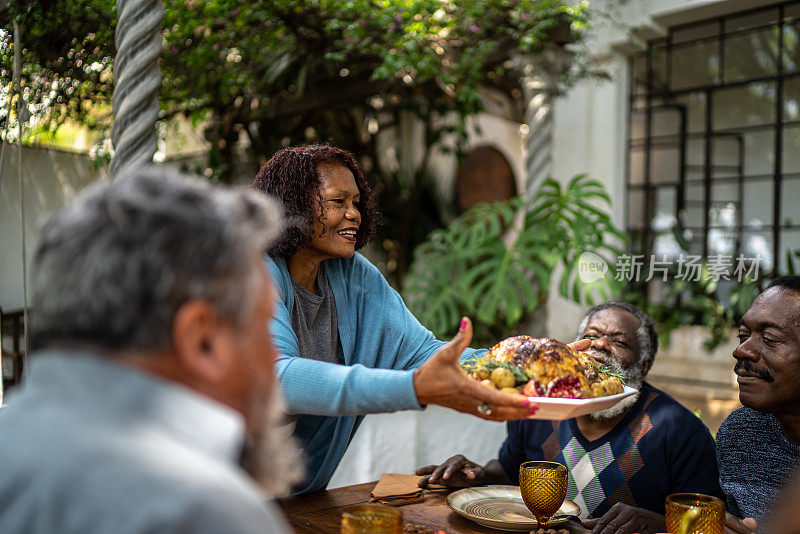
[(626, 519), (734, 525), (455, 472), (441, 381), (460, 472)]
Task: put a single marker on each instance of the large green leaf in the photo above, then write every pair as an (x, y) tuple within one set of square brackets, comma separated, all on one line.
[(495, 261)]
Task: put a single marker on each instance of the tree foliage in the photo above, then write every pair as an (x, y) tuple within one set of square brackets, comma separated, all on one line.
[(282, 72)]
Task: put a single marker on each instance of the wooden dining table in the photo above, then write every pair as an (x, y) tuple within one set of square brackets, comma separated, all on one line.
[(321, 512)]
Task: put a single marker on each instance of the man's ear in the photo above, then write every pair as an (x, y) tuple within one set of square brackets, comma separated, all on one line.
[(201, 340), (646, 367)]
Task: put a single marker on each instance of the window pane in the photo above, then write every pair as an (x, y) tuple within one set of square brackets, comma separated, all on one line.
[(758, 244), (751, 54), (695, 242), (694, 105), (721, 241), (757, 203), (726, 153), (639, 73), (791, 12), (751, 20), (666, 201), (750, 105), (721, 232), (638, 125), (666, 121), (663, 221), (791, 150), (636, 241), (696, 175), (694, 214), (636, 169), (790, 207), (696, 152), (658, 62), (723, 193), (790, 242), (695, 64), (791, 46), (665, 163), (636, 208), (759, 153), (791, 99), (694, 191)]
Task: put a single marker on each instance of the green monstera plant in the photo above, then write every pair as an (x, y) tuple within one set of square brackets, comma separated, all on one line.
[(495, 262)]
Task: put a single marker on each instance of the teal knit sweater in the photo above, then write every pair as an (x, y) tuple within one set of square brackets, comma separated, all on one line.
[(381, 343)]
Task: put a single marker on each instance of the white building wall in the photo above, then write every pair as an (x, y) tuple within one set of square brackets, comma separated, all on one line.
[(51, 177)]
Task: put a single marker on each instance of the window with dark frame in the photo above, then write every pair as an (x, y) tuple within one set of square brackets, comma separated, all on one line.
[(714, 139)]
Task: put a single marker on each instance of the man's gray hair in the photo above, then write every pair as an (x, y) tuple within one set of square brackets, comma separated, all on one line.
[(648, 337), (114, 266)]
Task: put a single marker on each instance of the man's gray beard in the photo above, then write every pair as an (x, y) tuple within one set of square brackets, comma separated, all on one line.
[(273, 458), (633, 377)]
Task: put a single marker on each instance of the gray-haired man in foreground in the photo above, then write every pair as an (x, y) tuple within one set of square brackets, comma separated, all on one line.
[(152, 376)]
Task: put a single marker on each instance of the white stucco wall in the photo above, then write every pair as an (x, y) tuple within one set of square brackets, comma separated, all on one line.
[(51, 177)]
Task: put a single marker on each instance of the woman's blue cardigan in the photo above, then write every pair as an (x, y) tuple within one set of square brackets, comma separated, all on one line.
[(380, 342)]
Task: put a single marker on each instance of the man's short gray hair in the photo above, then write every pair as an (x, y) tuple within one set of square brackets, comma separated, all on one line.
[(113, 267), (646, 333)]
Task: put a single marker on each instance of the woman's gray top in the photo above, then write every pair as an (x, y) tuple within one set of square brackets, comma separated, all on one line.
[(314, 321)]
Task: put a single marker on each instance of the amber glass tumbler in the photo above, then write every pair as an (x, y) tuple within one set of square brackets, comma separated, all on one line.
[(712, 513), (371, 519), (543, 486)]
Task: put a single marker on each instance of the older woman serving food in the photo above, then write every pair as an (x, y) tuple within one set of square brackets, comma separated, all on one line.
[(348, 344)]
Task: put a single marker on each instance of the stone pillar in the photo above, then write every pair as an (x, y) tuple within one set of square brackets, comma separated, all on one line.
[(540, 73)]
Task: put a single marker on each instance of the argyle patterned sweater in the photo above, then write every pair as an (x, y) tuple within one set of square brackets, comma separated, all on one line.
[(658, 448)]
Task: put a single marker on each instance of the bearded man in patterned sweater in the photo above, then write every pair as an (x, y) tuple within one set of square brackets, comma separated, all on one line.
[(622, 462)]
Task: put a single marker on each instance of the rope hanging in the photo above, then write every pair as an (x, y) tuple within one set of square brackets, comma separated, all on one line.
[(138, 77)]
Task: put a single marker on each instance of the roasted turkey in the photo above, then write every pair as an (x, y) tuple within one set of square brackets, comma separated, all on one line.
[(552, 368)]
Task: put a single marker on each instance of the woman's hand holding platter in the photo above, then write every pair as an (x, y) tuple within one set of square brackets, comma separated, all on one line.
[(440, 381)]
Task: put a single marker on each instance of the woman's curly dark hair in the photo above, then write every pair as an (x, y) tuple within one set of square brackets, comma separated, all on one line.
[(292, 176)]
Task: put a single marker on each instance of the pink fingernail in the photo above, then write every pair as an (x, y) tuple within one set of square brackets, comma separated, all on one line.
[(463, 325), (533, 410), (526, 402)]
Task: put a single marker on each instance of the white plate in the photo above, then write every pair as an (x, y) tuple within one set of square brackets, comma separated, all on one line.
[(502, 507), (556, 409)]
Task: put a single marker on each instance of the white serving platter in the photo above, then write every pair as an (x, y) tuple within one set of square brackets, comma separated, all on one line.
[(557, 409)]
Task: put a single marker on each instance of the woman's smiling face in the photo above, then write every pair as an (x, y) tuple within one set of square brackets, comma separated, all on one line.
[(338, 218)]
